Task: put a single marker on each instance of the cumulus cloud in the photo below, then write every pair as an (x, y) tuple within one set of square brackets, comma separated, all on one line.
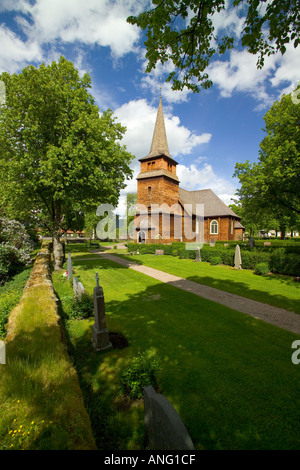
[(15, 53), (93, 22), (139, 118), (98, 22), (195, 177)]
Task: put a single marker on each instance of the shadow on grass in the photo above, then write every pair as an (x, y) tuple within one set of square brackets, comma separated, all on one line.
[(117, 422), (228, 375), (242, 289)]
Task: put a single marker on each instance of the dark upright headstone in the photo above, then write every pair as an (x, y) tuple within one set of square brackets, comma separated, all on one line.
[(164, 427), (100, 332)]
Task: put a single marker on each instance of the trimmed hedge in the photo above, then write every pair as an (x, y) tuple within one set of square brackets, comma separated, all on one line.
[(280, 260)]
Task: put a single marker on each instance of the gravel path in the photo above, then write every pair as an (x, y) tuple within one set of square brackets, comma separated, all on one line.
[(277, 316)]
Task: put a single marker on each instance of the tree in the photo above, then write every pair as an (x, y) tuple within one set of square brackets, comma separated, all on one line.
[(183, 31), (58, 156), (271, 185)]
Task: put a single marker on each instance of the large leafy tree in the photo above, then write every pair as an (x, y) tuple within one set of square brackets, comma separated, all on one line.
[(59, 157), (183, 32), (272, 184)]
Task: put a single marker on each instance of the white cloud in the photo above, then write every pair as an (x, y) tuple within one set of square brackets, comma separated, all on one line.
[(139, 118), (53, 22), (14, 53), (193, 178), (98, 22)]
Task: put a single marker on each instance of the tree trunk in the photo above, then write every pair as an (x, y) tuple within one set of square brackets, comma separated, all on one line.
[(282, 230), (58, 252)]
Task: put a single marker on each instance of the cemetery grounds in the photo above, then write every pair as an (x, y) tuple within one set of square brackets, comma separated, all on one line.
[(229, 376)]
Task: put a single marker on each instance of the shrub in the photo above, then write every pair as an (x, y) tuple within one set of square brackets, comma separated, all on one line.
[(262, 268), (78, 308), (15, 247), (143, 370), (216, 260)]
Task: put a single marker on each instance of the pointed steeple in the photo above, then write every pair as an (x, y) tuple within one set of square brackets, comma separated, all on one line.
[(159, 141), (159, 145)]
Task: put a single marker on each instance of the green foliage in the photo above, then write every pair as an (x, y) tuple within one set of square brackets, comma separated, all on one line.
[(183, 33), (216, 260), (143, 370), (15, 248), (58, 156), (78, 308), (262, 268), (281, 260), (269, 189)]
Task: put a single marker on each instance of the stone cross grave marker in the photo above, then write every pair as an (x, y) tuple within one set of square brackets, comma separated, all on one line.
[(69, 266), (100, 332), (237, 257)]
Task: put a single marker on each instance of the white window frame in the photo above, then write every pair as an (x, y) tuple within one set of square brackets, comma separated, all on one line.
[(214, 223)]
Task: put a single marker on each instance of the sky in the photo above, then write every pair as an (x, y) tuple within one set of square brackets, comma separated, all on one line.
[(207, 132)]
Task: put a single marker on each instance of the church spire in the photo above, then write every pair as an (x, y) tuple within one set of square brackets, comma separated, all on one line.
[(159, 141)]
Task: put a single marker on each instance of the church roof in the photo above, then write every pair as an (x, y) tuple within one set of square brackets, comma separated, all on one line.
[(213, 206), (159, 145)]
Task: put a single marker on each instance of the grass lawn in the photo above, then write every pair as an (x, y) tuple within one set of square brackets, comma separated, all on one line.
[(277, 290), (229, 376)]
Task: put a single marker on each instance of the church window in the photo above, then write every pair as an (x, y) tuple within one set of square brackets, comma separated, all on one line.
[(149, 189), (214, 227)]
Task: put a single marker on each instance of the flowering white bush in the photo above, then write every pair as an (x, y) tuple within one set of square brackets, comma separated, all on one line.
[(15, 247)]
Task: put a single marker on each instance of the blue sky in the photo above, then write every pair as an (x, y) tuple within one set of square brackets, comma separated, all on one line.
[(207, 132)]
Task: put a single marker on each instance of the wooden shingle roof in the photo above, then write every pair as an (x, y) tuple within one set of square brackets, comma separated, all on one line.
[(213, 205)]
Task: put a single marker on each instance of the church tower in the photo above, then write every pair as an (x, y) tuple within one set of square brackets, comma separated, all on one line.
[(157, 182)]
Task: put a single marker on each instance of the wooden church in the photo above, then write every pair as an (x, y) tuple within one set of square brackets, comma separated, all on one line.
[(158, 190)]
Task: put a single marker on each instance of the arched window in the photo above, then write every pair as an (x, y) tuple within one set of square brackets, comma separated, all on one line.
[(214, 227)]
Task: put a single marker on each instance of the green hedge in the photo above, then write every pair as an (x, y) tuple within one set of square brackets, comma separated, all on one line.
[(281, 261)]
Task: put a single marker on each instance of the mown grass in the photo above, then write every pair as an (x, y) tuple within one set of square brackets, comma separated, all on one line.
[(274, 289), (41, 406), (230, 376)]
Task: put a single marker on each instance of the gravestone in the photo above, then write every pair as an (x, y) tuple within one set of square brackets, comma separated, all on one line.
[(100, 338), (159, 252), (198, 255), (237, 257), (78, 288), (75, 286), (69, 266), (164, 427)]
